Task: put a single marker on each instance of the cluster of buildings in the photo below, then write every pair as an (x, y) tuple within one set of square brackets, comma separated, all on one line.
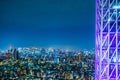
[(46, 64)]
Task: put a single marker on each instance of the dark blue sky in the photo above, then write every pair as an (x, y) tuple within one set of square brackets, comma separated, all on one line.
[(47, 23)]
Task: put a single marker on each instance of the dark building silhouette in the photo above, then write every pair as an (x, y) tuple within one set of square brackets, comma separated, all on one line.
[(2, 57), (15, 54)]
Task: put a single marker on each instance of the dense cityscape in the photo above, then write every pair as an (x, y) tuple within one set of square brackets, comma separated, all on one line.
[(52, 39), (46, 64)]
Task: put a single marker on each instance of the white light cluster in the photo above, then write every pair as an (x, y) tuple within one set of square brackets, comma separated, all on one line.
[(116, 7)]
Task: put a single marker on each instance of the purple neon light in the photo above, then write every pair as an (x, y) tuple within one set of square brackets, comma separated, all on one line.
[(107, 65)]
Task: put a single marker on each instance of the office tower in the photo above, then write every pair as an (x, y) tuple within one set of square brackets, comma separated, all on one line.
[(15, 54), (107, 40)]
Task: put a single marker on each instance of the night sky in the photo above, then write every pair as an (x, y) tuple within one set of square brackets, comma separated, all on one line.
[(47, 23)]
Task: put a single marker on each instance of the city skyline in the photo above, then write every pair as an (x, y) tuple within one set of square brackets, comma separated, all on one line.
[(61, 23)]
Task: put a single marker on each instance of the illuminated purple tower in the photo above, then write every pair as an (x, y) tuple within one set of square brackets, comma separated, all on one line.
[(107, 40)]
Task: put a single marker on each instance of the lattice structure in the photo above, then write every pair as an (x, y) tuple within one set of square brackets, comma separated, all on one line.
[(107, 40)]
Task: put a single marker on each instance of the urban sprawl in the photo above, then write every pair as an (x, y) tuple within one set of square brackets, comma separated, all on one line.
[(46, 64)]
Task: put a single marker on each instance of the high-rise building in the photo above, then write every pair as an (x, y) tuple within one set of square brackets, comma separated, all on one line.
[(107, 40), (15, 54)]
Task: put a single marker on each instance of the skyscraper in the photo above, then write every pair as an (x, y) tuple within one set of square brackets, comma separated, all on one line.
[(107, 40), (15, 54)]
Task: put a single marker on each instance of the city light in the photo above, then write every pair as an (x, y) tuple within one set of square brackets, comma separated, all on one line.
[(116, 7), (32, 65), (109, 19)]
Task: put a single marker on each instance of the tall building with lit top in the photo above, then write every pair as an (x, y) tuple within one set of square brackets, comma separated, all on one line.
[(107, 40)]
